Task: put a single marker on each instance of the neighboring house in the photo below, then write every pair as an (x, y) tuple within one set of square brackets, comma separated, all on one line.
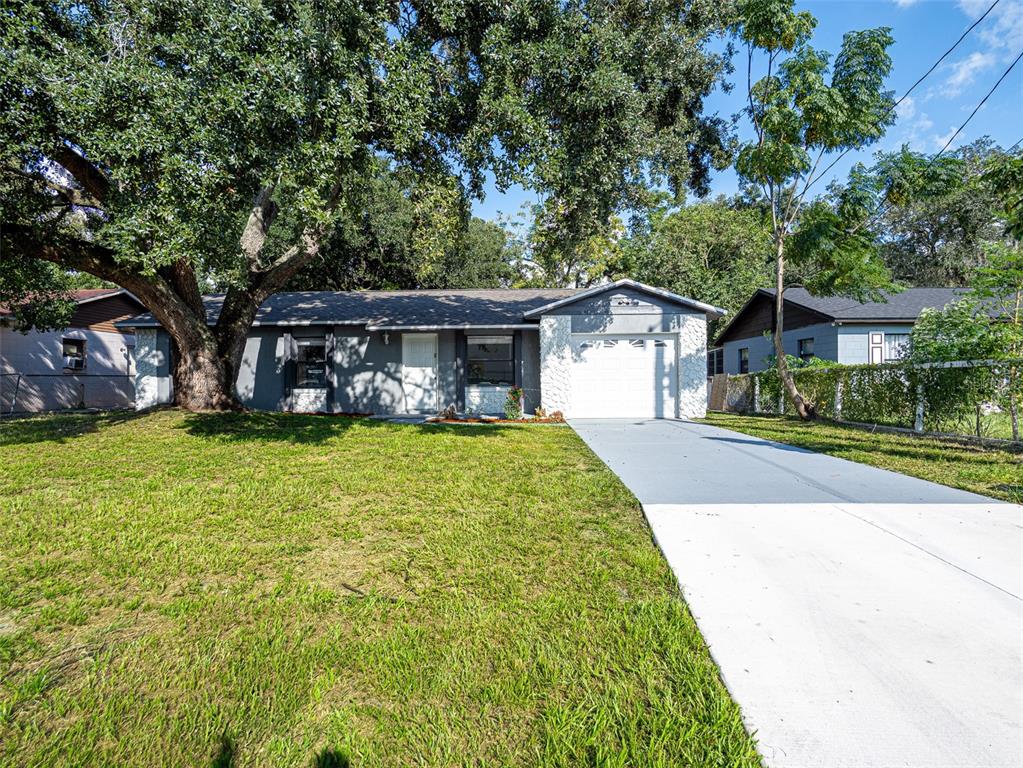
[(831, 328), (88, 363), (623, 349)]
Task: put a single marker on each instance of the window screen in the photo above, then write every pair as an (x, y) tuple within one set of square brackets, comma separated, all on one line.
[(311, 364), (744, 360), (491, 361), (896, 346)]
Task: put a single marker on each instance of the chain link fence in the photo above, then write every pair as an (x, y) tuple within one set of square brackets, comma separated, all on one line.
[(965, 398), (37, 393)]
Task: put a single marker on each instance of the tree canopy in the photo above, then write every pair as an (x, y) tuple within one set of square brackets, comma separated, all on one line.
[(159, 144), (716, 251), (941, 214), (805, 107), (396, 235)]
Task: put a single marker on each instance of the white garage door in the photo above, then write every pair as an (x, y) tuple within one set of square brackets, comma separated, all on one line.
[(623, 376)]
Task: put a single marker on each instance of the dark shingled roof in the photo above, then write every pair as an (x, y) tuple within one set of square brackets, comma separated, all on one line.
[(905, 306), (390, 308)]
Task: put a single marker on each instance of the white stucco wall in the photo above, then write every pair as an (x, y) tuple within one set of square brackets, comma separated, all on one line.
[(556, 363), (488, 400), (309, 400), (152, 368), (691, 364)]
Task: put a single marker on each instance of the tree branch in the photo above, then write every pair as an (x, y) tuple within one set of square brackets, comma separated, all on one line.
[(154, 291), (254, 235), (93, 180)]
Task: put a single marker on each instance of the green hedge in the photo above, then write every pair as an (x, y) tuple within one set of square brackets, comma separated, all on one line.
[(888, 394)]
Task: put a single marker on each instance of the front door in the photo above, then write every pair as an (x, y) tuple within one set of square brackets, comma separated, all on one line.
[(419, 372)]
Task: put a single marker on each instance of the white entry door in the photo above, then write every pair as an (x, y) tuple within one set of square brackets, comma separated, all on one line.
[(419, 372), (627, 376)]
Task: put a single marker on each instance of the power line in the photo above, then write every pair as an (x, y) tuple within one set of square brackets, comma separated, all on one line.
[(884, 209), (912, 88)]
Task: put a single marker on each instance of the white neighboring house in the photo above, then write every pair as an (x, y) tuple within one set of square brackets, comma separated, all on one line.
[(88, 364)]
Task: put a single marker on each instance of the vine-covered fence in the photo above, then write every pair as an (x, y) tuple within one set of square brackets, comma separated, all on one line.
[(977, 398)]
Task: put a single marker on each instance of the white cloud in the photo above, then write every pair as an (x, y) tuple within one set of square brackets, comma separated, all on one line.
[(941, 141), (914, 125), (1002, 30), (965, 71), (905, 3), (907, 108)]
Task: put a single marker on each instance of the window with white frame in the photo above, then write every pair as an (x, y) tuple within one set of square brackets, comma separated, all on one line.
[(896, 346), (490, 361), (73, 351)]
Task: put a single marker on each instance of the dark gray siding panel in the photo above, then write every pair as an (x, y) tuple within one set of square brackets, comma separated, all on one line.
[(260, 382), (659, 322), (530, 369), (447, 368), (367, 370)]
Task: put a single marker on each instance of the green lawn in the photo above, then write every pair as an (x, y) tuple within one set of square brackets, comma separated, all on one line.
[(989, 471), (286, 590)]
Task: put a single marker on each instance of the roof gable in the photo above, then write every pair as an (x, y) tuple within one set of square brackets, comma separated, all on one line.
[(802, 307), (610, 288)]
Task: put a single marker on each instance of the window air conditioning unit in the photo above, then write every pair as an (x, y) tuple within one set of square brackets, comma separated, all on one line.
[(74, 363)]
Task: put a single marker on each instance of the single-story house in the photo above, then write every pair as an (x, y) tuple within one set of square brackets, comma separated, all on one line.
[(829, 327), (622, 349), (88, 363)]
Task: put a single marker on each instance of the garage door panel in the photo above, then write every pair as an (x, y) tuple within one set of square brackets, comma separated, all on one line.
[(632, 376)]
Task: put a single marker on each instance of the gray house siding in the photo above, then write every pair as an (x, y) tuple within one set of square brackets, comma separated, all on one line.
[(761, 348), (846, 344), (367, 369), (854, 340), (529, 367), (261, 383), (603, 304)]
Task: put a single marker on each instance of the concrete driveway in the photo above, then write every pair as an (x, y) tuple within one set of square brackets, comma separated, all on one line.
[(859, 617)]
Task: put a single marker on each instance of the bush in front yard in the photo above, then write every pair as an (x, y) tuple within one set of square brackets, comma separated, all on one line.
[(513, 404)]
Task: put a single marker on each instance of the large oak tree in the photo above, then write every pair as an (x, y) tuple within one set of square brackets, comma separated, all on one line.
[(160, 143)]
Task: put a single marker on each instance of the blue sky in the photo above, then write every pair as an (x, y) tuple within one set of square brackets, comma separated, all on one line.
[(923, 30)]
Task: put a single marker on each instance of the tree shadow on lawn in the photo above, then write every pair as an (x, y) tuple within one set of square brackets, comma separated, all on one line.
[(272, 426), (59, 427), (227, 754)]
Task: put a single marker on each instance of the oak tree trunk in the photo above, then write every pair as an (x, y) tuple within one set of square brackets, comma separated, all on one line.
[(201, 382)]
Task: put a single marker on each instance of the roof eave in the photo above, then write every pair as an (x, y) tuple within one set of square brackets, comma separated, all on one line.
[(626, 283)]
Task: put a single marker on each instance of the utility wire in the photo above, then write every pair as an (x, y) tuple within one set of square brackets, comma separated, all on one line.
[(912, 88), (884, 209)]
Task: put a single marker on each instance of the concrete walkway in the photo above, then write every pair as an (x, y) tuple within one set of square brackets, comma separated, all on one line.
[(859, 617)]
